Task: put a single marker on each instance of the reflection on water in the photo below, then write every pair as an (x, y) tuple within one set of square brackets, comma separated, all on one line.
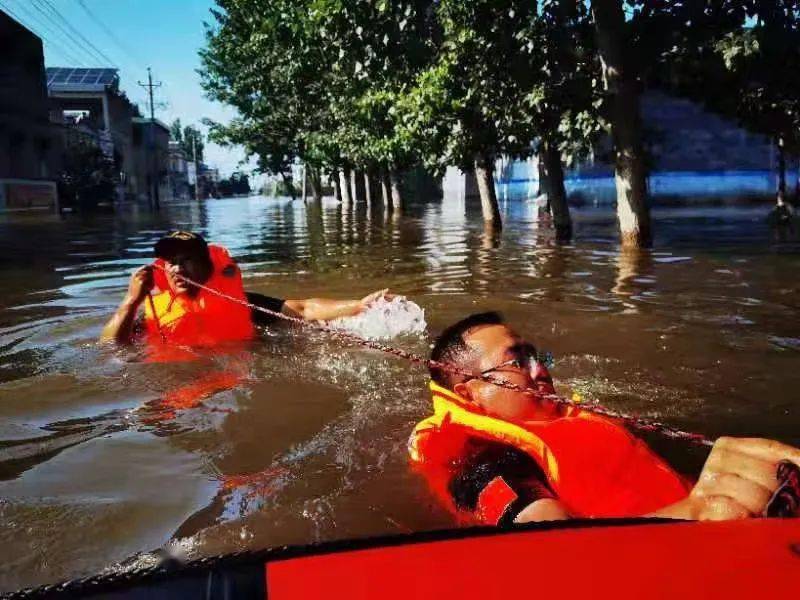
[(294, 438)]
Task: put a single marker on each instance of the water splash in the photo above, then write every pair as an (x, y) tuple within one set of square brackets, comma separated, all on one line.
[(385, 319)]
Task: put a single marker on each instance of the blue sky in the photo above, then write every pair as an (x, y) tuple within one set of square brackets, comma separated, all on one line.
[(162, 34)]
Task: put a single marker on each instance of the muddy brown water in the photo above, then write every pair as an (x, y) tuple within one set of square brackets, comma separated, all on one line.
[(702, 332)]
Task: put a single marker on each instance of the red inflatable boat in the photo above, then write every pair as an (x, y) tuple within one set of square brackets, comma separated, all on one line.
[(579, 559)]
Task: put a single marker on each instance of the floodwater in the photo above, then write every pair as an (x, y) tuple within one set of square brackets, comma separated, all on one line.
[(298, 438)]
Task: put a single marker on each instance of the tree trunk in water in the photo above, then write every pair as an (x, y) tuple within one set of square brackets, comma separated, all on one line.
[(375, 185), (543, 184), (781, 166), (633, 211), (337, 190), (368, 188), (553, 170), (483, 174), (305, 181), (394, 188), (315, 181), (359, 194), (344, 184), (289, 185), (386, 191)]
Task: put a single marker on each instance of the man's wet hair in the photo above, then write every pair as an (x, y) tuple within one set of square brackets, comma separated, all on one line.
[(451, 348)]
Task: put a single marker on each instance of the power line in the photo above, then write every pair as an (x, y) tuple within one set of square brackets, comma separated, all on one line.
[(99, 53), (65, 36), (112, 36), (33, 22), (94, 48), (48, 43)]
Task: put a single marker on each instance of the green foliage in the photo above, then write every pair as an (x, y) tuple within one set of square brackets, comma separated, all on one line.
[(176, 131), (88, 177), (237, 184), (261, 58), (374, 83), (749, 68), (764, 63), (507, 74), (184, 136)]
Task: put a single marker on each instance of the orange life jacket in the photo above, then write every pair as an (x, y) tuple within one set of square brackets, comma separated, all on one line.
[(205, 319), (595, 467)]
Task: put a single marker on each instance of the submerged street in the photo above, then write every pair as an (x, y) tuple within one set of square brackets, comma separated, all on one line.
[(702, 332)]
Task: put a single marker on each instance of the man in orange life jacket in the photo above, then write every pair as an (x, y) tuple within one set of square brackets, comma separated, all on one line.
[(184, 314), (496, 456)]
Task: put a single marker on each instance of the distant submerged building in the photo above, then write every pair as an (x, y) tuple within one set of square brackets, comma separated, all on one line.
[(693, 152)]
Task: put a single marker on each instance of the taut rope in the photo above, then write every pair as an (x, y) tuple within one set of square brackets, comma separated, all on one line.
[(634, 421)]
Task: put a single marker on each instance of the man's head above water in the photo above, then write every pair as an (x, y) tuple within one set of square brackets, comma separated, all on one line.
[(485, 345), (185, 254)]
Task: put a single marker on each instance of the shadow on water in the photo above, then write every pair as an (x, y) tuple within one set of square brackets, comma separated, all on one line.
[(104, 454)]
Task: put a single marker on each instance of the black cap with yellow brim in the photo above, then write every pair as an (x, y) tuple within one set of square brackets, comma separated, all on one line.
[(181, 242)]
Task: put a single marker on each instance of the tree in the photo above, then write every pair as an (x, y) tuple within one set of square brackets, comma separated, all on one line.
[(639, 42), (567, 114), (464, 109), (236, 185), (316, 80), (190, 135), (176, 131), (263, 59), (750, 46), (88, 177), (621, 83), (509, 78), (375, 50), (184, 136)]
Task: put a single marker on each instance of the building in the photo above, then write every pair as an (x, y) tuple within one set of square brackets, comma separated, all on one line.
[(90, 108), (178, 173), (30, 147), (694, 153), (208, 181), (151, 159)]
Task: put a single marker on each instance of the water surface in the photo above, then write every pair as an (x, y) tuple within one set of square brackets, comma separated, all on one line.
[(308, 441)]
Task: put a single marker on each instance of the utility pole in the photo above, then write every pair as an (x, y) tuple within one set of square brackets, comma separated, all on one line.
[(196, 168), (153, 192)]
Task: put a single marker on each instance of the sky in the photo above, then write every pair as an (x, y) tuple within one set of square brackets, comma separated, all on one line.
[(132, 35)]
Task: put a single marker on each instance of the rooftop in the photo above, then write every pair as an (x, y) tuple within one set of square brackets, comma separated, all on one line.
[(147, 121), (71, 79)]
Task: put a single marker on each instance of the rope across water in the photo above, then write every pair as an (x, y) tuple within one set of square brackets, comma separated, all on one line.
[(634, 421)]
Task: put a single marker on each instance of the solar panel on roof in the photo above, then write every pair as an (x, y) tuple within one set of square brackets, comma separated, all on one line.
[(90, 79)]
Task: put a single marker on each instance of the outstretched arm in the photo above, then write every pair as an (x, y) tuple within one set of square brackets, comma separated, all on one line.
[(737, 481), (323, 309), (119, 328)]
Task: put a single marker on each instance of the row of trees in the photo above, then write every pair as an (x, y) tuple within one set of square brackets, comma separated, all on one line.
[(380, 86), (189, 138)]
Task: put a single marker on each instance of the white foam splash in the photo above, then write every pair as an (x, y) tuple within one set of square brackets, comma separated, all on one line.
[(385, 319)]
